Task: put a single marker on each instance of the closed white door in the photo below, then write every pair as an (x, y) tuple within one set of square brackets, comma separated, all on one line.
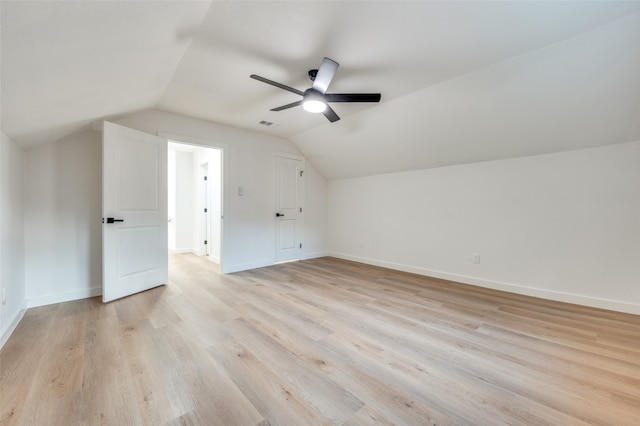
[(289, 208), (134, 207)]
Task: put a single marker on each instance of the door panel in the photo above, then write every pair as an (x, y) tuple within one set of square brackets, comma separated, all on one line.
[(134, 255), (288, 180), (139, 240), (287, 234), (137, 174)]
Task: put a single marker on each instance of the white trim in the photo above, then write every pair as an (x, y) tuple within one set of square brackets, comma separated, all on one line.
[(302, 191), (594, 302), (64, 297), (188, 140), (315, 255), (246, 266), (289, 155), (224, 155), (10, 328)]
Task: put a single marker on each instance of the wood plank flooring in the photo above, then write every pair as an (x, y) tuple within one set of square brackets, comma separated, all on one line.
[(317, 342)]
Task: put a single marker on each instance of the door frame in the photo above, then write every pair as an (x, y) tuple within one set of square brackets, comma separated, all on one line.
[(204, 208), (222, 147), (301, 199)]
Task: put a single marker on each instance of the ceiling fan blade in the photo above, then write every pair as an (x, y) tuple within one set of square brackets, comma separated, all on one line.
[(352, 97), (274, 83), (287, 106), (331, 114), (325, 74)]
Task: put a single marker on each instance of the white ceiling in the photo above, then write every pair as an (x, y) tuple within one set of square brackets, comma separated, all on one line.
[(460, 81)]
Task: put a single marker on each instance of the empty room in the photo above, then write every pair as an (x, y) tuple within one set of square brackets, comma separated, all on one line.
[(320, 212)]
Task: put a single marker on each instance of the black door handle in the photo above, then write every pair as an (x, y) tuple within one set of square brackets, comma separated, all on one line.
[(112, 220), (279, 215)]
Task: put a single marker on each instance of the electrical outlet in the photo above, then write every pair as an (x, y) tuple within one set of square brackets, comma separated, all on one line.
[(475, 258), (4, 296)]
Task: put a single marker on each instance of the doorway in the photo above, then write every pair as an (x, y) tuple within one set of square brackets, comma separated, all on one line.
[(195, 200)]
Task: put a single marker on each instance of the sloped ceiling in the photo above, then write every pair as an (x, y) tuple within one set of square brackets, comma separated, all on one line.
[(460, 81)]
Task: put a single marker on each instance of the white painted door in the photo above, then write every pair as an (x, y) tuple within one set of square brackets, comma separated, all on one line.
[(289, 208), (134, 208)]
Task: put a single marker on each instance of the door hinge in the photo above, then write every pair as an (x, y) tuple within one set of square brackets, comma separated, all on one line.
[(300, 245), (205, 210), (205, 242), (300, 209), (205, 178)]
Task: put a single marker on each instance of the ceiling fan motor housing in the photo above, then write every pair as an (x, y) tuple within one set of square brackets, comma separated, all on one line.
[(313, 94)]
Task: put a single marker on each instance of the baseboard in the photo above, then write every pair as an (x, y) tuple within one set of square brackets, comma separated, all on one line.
[(262, 264), (314, 255), (245, 266), (64, 297), (594, 302), (10, 328)]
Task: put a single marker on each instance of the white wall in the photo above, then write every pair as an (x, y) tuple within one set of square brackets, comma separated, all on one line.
[(185, 206), (560, 226), (171, 199), (63, 212), (248, 162), (63, 199), (11, 237)]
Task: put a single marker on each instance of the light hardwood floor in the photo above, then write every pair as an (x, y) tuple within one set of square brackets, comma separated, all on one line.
[(321, 341)]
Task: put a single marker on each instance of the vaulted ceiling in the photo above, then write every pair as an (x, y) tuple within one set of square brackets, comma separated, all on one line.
[(460, 81)]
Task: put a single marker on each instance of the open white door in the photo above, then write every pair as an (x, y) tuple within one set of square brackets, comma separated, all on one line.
[(134, 208), (289, 200)]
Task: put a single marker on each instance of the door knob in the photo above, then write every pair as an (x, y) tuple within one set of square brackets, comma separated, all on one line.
[(279, 215), (112, 220)]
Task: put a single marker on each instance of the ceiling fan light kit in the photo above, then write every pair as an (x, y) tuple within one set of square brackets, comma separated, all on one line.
[(314, 106), (313, 101), (316, 99)]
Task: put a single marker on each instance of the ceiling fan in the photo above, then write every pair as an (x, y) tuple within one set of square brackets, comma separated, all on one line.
[(316, 99)]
